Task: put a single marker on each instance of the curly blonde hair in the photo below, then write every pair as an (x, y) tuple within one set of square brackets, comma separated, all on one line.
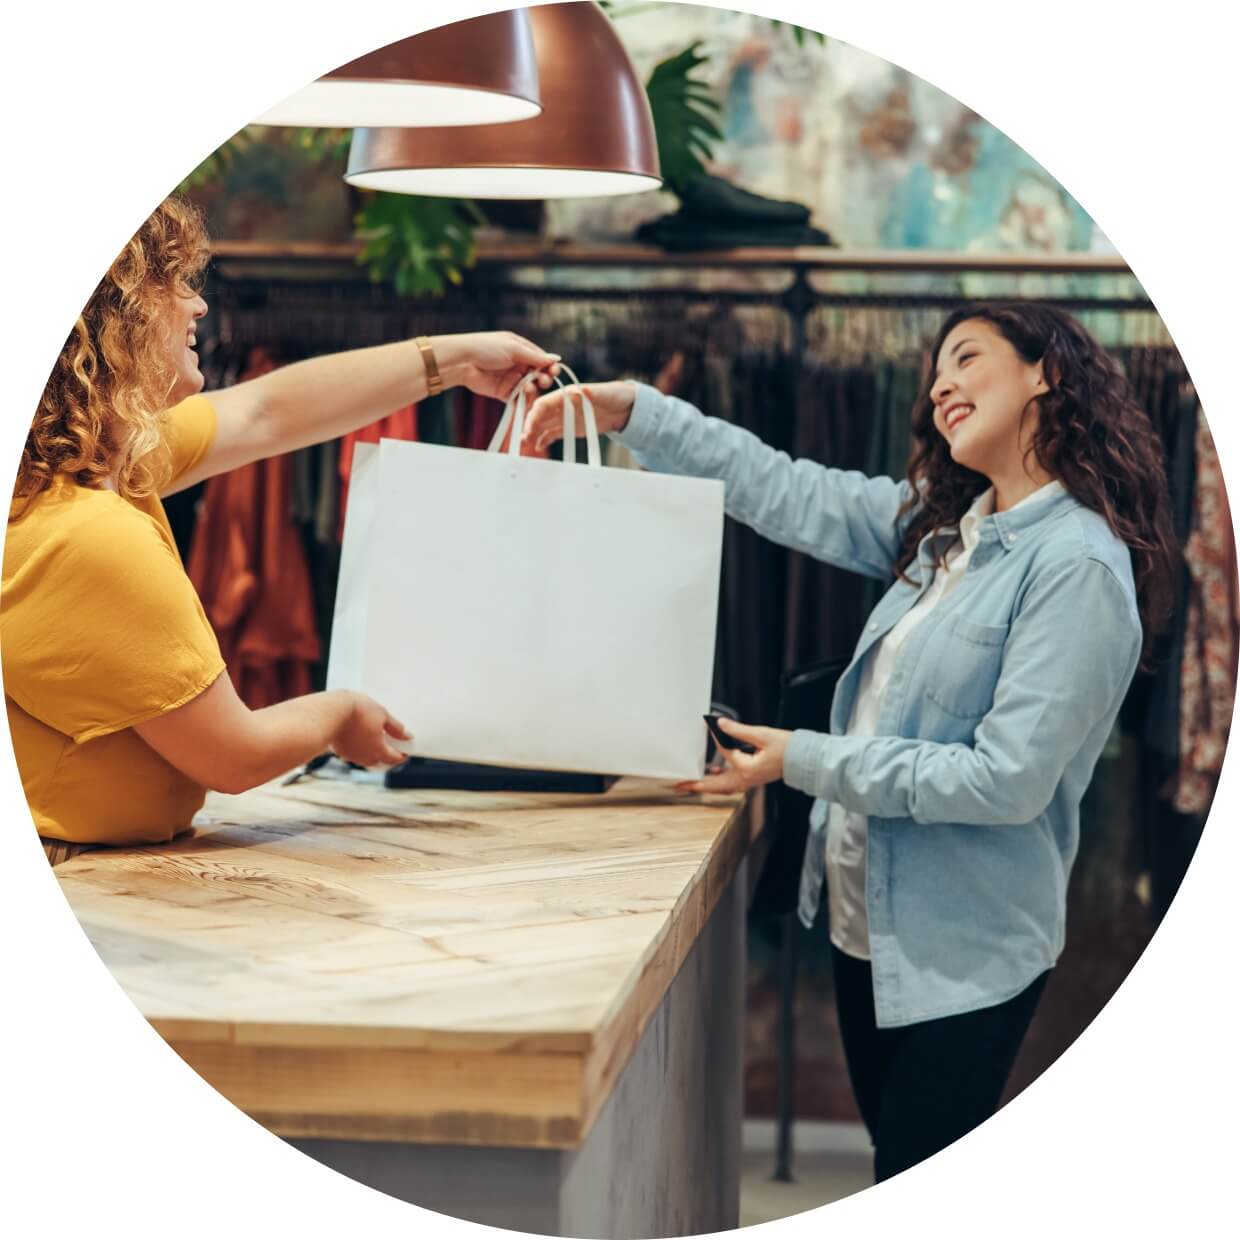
[(102, 412)]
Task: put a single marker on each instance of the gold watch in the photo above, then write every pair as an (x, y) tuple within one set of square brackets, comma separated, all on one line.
[(434, 381)]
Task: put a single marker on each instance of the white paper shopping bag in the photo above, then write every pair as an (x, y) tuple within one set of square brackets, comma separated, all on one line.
[(528, 612)]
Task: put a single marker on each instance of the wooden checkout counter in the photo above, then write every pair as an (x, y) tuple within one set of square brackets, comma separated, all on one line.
[(522, 1010)]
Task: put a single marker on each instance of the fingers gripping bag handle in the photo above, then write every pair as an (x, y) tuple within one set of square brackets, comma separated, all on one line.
[(514, 417), (594, 457)]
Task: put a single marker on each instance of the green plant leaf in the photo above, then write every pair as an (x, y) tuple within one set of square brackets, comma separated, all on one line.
[(322, 145), (420, 245), (317, 145), (220, 160), (684, 117)]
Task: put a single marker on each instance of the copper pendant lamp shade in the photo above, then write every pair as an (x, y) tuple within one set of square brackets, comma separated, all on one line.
[(595, 136), (475, 72)]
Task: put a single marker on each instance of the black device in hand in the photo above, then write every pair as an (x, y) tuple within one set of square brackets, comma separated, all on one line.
[(722, 739)]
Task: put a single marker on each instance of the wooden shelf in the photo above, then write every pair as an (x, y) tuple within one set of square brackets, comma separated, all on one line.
[(813, 258)]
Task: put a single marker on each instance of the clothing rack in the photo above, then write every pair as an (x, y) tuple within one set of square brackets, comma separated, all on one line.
[(544, 291), (813, 277)]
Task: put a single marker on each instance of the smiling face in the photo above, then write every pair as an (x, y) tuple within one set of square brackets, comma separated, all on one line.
[(185, 308), (980, 393)]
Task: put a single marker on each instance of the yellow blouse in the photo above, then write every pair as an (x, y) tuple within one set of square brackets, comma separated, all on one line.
[(101, 629)]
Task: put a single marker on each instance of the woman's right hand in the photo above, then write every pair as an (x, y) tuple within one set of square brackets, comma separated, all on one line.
[(363, 738), (613, 403)]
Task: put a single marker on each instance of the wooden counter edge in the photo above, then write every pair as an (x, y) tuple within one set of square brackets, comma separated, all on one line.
[(623, 1027), (541, 1091), (341, 1038)]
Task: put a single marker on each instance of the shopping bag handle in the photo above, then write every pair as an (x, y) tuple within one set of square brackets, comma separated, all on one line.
[(514, 417), (594, 458), (514, 409)]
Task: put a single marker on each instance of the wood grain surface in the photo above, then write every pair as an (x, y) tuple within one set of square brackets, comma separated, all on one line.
[(344, 960)]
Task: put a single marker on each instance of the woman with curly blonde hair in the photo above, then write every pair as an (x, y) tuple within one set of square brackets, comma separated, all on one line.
[(120, 713)]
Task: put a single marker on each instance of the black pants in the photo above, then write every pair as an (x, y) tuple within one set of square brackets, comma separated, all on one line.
[(920, 1087)]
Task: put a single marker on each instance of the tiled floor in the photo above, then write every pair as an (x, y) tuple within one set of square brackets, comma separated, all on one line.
[(830, 1161)]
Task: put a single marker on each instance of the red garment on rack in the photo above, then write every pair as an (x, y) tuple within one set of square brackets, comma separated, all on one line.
[(403, 424), (476, 419), (249, 567)]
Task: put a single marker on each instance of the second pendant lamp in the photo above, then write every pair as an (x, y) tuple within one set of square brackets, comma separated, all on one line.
[(595, 136), (474, 72)]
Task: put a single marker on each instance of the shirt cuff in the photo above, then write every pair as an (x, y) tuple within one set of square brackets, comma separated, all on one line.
[(806, 763), (639, 432)]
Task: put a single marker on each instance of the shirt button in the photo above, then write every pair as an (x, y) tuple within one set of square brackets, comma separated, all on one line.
[(874, 627)]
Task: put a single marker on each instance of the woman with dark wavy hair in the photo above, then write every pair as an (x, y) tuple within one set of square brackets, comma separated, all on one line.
[(1030, 558), (120, 713)]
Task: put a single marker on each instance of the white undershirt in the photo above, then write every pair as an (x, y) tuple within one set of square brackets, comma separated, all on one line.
[(846, 832)]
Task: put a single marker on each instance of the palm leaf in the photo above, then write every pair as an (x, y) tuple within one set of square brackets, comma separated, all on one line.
[(684, 117)]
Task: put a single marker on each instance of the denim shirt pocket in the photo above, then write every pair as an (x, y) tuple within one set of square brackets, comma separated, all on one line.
[(964, 658)]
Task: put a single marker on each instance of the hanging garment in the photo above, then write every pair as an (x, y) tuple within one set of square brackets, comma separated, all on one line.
[(249, 568), (403, 424), (316, 475), (435, 419), (1152, 710), (1208, 675), (755, 391), (476, 419), (901, 397), (327, 505), (826, 605)]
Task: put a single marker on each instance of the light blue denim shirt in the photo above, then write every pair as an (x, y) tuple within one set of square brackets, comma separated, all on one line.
[(995, 715)]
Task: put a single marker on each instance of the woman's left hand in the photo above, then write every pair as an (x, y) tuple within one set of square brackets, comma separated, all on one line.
[(745, 770), (493, 363)]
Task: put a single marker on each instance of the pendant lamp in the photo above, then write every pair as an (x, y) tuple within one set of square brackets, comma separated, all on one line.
[(476, 72), (595, 136)]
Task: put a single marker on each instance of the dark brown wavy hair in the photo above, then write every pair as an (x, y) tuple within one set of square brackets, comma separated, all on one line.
[(101, 413), (1091, 435)]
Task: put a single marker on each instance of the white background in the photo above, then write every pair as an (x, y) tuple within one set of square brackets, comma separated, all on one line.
[(1131, 107)]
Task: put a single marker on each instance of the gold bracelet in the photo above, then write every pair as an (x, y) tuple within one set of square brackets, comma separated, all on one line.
[(434, 383)]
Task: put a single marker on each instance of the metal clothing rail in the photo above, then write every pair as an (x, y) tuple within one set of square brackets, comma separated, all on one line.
[(257, 276), (810, 258), (798, 298), (527, 268)]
